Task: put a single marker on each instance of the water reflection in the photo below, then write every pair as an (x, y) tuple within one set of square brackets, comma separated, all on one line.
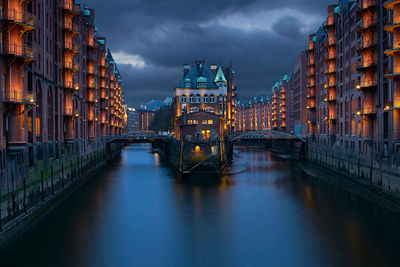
[(136, 212)]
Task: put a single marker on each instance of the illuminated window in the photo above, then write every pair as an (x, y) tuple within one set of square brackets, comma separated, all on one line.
[(204, 122), (190, 121), (195, 122), (212, 99), (210, 122), (198, 99)]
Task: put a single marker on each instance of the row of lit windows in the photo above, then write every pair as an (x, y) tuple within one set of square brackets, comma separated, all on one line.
[(199, 85), (204, 122), (199, 99)]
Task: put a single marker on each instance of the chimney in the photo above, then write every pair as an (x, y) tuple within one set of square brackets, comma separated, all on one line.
[(214, 68), (186, 68)]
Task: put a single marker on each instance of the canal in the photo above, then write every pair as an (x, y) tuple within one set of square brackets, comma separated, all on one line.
[(266, 213)]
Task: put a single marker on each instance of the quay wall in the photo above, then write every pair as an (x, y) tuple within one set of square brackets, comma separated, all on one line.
[(196, 157), (29, 189), (381, 175)]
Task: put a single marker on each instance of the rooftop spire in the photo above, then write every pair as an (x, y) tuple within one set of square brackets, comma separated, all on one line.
[(220, 76)]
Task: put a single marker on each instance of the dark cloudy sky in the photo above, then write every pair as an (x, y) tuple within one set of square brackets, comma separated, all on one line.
[(152, 39)]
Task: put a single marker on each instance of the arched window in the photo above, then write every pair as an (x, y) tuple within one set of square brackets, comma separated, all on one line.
[(212, 99), (205, 99), (39, 111), (198, 98), (183, 99), (191, 99), (50, 113)]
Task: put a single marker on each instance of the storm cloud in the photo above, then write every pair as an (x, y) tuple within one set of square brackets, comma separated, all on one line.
[(151, 40)]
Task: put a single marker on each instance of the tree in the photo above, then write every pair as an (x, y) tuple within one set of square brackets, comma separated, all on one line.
[(163, 119)]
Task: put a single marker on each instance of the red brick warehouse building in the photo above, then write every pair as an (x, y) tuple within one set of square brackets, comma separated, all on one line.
[(60, 87)]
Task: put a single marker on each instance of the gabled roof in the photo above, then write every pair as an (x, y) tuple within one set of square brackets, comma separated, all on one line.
[(195, 73)]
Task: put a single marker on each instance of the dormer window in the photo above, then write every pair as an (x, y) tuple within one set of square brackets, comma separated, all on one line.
[(201, 85), (187, 85), (201, 82)]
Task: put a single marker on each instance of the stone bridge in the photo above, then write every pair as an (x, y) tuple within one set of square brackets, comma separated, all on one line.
[(264, 135), (139, 137)]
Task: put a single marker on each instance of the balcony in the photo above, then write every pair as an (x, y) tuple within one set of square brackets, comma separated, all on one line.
[(391, 3), (17, 97), (311, 107), (310, 63), (71, 66), (74, 48), (391, 51), (328, 25), (368, 44), (92, 71), (332, 118), (367, 5), (391, 74), (330, 70), (366, 84), (391, 26), (364, 65), (329, 57), (70, 7), (69, 112), (71, 86), (92, 99), (71, 28), (330, 98), (21, 51), (329, 43), (368, 113), (21, 18), (310, 73), (366, 25)]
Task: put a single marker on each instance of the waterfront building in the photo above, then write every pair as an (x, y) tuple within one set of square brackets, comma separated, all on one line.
[(297, 97), (61, 91), (146, 118), (210, 92), (132, 120), (252, 115)]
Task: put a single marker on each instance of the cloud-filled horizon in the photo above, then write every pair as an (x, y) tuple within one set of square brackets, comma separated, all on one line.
[(151, 40)]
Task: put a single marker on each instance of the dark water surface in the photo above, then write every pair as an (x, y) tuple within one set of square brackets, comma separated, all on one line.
[(137, 213)]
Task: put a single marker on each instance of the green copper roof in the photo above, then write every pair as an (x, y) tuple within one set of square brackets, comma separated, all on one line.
[(337, 10), (314, 39), (201, 80), (86, 12), (187, 80), (220, 76)]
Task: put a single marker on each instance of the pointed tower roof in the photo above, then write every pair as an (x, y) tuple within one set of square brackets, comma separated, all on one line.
[(220, 76)]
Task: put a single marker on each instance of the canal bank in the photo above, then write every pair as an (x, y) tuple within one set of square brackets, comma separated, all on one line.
[(29, 192), (267, 209), (379, 174)]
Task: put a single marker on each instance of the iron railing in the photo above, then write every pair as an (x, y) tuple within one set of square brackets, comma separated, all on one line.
[(20, 17)]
